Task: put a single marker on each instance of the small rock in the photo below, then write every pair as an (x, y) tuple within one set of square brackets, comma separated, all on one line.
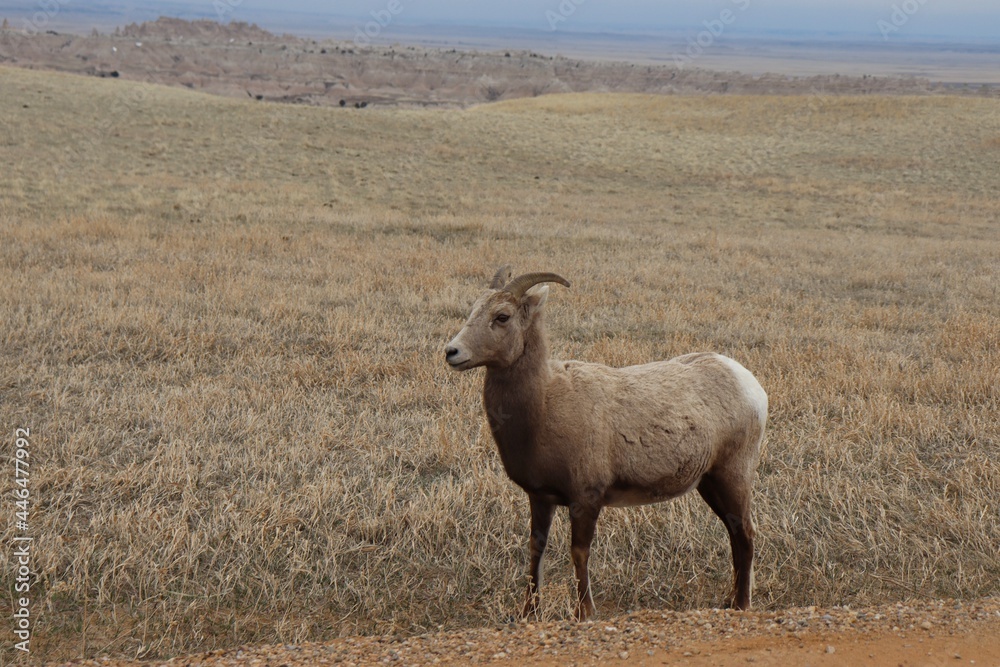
[(927, 625), (623, 655), (831, 649)]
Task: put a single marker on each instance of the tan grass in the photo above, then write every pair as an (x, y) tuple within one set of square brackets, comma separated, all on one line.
[(223, 323)]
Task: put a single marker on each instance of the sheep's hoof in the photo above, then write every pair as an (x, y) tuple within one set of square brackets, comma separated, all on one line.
[(736, 605)]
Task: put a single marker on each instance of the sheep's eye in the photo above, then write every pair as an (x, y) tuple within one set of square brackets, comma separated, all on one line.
[(502, 317)]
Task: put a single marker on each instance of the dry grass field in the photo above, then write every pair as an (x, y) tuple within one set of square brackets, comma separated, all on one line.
[(223, 321)]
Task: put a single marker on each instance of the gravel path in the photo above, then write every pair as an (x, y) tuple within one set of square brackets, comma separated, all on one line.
[(914, 633)]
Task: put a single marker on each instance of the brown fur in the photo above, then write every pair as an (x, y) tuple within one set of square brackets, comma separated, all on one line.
[(588, 436)]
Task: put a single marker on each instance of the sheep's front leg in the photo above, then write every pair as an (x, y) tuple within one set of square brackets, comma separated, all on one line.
[(583, 522), (541, 520)]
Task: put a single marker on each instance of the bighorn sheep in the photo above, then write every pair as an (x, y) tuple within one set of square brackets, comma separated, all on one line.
[(589, 436)]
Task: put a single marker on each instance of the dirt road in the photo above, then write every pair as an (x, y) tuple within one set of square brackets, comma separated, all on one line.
[(918, 633), (977, 646)]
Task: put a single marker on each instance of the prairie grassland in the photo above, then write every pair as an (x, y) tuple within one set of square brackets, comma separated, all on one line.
[(223, 323)]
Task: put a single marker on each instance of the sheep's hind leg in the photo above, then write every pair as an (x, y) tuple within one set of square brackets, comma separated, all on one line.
[(731, 503), (541, 520), (583, 522)]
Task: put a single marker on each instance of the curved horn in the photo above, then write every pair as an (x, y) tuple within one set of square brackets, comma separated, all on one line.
[(502, 276), (518, 286)]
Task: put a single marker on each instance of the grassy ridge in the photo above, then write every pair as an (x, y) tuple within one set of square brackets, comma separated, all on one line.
[(223, 322)]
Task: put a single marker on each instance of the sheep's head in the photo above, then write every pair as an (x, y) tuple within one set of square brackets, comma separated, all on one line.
[(494, 334)]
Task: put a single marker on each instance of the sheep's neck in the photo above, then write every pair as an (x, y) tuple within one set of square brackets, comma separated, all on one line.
[(514, 399)]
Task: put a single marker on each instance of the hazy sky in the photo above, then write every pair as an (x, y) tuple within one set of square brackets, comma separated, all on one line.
[(972, 18), (902, 20)]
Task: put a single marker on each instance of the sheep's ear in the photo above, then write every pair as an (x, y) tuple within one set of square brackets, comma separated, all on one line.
[(534, 300), (502, 276)]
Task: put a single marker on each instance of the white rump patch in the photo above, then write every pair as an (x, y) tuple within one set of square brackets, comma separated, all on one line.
[(752, 390)]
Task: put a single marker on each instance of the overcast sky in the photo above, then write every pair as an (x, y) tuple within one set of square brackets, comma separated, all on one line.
[(956, 20), (972, 18)]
